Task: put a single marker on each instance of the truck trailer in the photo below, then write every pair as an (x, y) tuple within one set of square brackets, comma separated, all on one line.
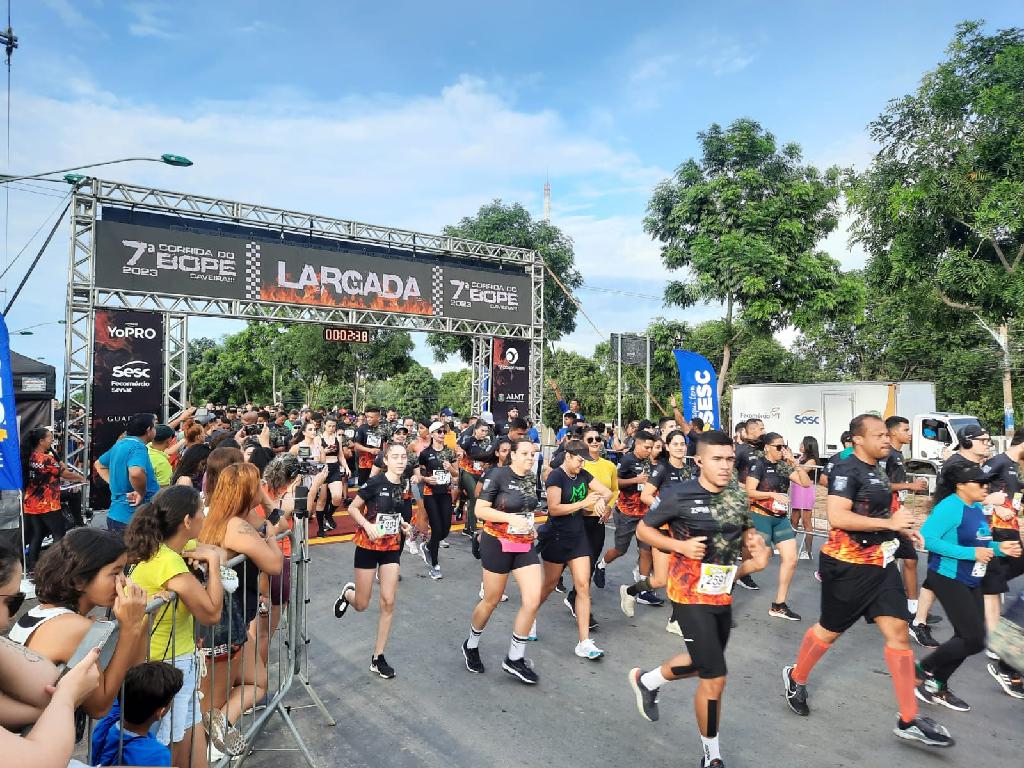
[(824, 411)]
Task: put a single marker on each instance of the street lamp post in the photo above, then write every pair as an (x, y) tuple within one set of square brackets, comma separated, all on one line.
[(167, 158)]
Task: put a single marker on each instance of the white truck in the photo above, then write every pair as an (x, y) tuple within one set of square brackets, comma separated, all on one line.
[(824, 411)]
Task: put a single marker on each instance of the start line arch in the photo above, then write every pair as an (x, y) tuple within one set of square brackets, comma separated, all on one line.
[(174, 255)]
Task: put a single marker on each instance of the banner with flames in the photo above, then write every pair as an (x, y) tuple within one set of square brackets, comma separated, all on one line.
[(260, 266)]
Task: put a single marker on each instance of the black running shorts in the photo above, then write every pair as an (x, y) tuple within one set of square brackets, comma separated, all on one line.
[(850, 591), (557, 544), (495, 560), (706, 633), (999, 573), (905, 550), (371, 558)]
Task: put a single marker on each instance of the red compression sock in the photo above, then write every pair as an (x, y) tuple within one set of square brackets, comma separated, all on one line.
[(901, 667), (811, 650)]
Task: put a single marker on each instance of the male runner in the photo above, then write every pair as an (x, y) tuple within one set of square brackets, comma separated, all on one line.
[(859, 578), (628, 513), (477, 447), (1003, 473), (746, 452), (710, 523), (896, 470), (368, 441)]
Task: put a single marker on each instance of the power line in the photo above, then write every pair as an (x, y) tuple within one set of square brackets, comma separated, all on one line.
[(618, 292)]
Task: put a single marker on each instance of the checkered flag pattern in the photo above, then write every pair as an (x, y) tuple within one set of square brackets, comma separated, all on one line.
[(252, 270), (437, 290)]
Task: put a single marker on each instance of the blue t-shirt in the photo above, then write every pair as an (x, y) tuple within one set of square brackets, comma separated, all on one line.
[(124, 454), (137, 750), (951, 533)]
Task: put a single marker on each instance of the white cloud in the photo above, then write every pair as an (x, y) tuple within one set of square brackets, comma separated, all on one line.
[(70, 15), (148, 21), (722, 55)]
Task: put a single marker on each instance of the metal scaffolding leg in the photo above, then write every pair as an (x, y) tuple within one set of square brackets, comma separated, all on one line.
[(175, 365)]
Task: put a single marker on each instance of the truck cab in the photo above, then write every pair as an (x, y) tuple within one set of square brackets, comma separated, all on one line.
[(934, 439)]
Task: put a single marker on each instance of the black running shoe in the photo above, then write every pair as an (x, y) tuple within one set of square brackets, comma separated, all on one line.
[(796, 694), (646, 699), (341, 604), (475, 546), (380, 665), (947, 698), (473, 663), (1011, 685), (521, 669), (783, 611), (599, 578), (560, 586), (649, 597), (932, 619), (925, 730), (747, 582), (467, 532), (593, 623), (922, 634), (716, 763)]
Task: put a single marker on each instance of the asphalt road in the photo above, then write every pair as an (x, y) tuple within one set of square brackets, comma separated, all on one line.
[(436, 713)]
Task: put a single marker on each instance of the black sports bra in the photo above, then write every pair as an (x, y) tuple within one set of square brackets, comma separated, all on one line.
[(330, 450)]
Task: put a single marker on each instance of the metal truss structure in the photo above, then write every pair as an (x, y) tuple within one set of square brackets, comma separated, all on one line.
[(92, 195)]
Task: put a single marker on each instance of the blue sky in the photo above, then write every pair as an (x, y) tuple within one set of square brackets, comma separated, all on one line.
[(414, 114)]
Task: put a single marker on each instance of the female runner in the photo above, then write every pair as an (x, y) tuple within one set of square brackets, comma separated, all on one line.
[(337, 472)]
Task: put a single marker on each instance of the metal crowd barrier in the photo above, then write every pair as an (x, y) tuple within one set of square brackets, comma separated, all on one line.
[(286, 654)]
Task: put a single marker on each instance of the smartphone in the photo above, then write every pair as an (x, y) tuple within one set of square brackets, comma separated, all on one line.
[(274, 516), (102, 634)]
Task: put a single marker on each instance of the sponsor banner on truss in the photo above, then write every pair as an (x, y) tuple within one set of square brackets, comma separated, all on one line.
[(510, 377), (153, 259)]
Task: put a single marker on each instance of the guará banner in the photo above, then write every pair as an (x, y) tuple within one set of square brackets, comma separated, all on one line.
[(510, 377), (699, 384), (134, 257)]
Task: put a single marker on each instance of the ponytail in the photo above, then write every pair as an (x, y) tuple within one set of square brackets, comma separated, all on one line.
[(155, 522)]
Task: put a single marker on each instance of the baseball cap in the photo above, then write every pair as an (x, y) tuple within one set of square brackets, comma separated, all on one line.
[(447, 412), (487, 417), (967, 473), (971, 432), (436, 426), (576, 450), (204, 419)]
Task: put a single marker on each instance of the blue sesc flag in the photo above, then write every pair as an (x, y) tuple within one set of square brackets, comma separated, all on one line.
[(699, 383), (10, 454)]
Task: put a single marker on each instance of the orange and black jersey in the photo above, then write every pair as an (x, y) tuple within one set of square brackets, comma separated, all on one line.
[(477, 455), (370, 437), (506, 491), (867, 487), (664, 472), (1004, 475), (772, 477), (629, 502), (382, 497), (42, 491), (431, 462)]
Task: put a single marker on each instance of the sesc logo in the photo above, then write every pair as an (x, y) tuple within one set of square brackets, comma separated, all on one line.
[(133, 369), (810, 416)]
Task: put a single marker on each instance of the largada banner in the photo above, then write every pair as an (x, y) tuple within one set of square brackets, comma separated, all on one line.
[(510, 377), (127, 378), (699, 385), (169, 261), (10, 454)]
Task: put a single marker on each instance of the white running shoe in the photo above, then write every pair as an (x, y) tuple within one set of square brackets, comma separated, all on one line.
[(627, 602), (588, 650), (504, 598), (673, 628)]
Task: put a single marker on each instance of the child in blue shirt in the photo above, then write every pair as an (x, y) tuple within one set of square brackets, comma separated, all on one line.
[(149, 690)]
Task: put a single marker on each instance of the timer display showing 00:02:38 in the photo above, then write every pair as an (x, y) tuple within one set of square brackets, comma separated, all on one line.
[(356, 335)]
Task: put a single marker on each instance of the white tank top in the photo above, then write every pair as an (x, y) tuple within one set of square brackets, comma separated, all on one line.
[(22, 631)]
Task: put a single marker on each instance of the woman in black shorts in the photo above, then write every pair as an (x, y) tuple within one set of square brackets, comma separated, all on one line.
[(378, 511), (506, 505), (337, 470)]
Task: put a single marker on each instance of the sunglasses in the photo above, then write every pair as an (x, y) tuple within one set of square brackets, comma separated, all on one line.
[(593, 439), (779, 446), (14, 602)]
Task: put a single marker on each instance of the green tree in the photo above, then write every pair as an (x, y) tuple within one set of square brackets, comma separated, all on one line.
[(943, 200), (453, 391), (745, 220), (578, 377), (230, 372), (511, 224)]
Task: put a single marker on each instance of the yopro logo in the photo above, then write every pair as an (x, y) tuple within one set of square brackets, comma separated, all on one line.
[(131, 331)]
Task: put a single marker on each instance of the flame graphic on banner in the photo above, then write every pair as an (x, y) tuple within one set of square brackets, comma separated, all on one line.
[(324, 298), (102, 334)]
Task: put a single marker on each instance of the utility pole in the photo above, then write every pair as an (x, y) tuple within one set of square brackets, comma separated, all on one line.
[(547, 199), (1002, 338)]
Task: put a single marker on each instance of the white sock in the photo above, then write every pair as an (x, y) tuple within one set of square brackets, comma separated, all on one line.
[(710, 745), (473, 641), (653, 680), (601, 563), (533, 628), (517, 648), (912, 605)]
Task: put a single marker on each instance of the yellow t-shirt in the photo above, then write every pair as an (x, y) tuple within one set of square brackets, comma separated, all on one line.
[(161, 466), (606, 474), (451, 439), (153, 575)]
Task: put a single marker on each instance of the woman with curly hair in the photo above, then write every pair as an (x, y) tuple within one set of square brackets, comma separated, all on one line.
[(82, 571)]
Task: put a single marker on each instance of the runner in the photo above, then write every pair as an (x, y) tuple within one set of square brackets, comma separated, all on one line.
[(710, 523), (974, 447), (562, 541), (960, 549), (378, 511), (675, 470), (859, 578), (332, 445), (1003, 472), (802, 499), (368, 440), (506, 506), (632, 475), (436, 464), (502, 453), (477, 455), (896, 470), (768, 482), (746, 452)]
